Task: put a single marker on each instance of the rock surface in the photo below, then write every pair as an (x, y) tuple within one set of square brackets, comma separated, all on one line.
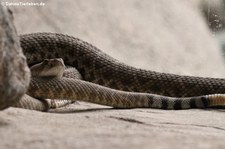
[(14, 72), (166, 36)]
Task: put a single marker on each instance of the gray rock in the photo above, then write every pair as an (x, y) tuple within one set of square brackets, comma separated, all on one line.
[(14, 72)]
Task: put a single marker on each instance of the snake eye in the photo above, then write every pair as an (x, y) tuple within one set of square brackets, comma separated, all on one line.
[(45, 61)]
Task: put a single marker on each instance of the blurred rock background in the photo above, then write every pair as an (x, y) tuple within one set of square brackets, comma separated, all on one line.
[(214, 13)]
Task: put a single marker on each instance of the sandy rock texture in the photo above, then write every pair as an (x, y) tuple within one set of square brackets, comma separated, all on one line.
[(162, 35), (14, 72)]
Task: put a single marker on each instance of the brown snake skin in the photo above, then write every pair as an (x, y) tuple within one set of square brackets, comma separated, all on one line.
[(99, 68)]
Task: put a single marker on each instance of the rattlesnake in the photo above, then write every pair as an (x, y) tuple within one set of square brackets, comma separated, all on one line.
[(110, 82), (48, 68)]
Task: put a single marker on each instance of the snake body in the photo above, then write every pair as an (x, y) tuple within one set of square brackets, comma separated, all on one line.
[(110, 82)]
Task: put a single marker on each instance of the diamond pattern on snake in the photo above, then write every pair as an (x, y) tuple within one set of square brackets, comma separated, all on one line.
[(105, 80)]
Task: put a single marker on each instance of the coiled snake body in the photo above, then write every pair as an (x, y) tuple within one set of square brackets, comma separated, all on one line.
[(109, 82)]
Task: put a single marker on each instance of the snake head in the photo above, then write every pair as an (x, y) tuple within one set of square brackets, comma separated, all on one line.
[(49, 68)]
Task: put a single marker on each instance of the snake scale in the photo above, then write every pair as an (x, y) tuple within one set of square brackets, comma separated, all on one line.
[(109, 82)]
